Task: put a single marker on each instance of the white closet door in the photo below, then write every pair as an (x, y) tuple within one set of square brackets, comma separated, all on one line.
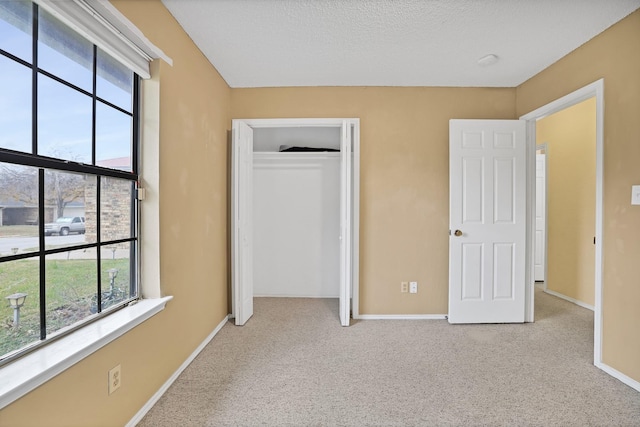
[(241, 222), (346, 222)]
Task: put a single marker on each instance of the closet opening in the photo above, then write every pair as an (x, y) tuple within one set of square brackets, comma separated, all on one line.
[(295, 210)]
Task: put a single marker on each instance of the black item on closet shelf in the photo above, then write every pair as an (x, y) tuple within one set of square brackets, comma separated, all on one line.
[(294, 149)]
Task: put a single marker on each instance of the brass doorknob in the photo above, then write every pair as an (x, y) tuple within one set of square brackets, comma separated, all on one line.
[(458, 233)]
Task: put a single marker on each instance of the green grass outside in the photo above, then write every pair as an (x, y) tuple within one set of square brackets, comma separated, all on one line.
[(71, 286)]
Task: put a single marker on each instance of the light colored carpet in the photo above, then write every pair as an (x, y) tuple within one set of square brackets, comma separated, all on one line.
[(292, 364)]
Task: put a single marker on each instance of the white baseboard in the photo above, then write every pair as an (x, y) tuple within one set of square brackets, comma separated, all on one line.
[(400, 317), (296, 296), (619, 375), (147, 406), (573, 300)]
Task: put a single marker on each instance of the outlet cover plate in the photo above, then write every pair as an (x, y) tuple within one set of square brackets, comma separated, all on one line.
[(413, 287), (115, 378)]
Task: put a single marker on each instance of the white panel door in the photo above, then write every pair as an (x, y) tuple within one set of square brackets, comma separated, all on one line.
[(346, 222), (541, 214), (241, 222), (487, 221)]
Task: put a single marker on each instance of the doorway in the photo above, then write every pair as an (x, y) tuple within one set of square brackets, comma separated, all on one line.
[(242, 216), (593, 90), (570, 139)]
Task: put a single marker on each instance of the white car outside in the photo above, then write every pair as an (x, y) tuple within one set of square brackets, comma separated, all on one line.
[(65, 225)]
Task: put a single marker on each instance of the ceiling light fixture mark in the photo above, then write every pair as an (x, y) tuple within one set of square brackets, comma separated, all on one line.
[(487, 60)]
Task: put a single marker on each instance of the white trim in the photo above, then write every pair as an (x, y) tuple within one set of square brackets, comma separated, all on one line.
[(102, 24), (544, 147), (346, 201), (572, 300), (288, 156), (297, 296), (282, 164), (595, 89), (619, 376), (162, 390), (401, 317), (575, 97), (284, 123), (355, 229), (34, 369), (149, 179)]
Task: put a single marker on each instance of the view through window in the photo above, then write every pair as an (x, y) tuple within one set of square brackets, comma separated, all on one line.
[(68, 173)]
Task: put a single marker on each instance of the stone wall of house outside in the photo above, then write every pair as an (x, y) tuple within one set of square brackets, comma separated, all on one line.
[(115, 210)]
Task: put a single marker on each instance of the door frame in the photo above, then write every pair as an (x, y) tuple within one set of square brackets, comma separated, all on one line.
[(354, 124), (545, 148), (593, 90)]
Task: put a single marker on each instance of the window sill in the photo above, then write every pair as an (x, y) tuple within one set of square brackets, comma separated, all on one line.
[(33, 370)]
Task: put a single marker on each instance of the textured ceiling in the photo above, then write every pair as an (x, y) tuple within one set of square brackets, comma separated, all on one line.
[(266, 43)]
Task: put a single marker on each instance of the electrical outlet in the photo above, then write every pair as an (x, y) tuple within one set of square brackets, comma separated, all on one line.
[(413, 287), (404, 287), (115, 379)]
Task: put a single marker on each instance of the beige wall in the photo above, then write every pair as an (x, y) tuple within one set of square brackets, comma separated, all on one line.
[(193, 218), (404, 202), (570, 137), (614, 56)]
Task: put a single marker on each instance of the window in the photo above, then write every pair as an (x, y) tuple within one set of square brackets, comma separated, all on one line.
[(68, 174)]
